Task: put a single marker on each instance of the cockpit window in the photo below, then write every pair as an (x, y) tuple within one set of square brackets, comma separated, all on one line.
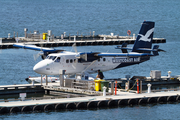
[(47, 57), (51, 57), (58, 59)]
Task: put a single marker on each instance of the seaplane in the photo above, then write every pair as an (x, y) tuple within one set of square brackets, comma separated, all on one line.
[(87, 63)]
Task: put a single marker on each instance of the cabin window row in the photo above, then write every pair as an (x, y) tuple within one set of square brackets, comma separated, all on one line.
[(103, 59), (71, 60), (57, 59)]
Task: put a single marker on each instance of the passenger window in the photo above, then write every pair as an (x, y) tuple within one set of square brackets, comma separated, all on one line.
[(58, 59), (71, 61), (74, 60), (99, 60), (104, 59), (67, 61), (79, 60)]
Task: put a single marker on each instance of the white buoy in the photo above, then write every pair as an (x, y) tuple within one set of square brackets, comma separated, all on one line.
[(104, 91), (9, 35), (169, 74), (149, 87), (134, 36)]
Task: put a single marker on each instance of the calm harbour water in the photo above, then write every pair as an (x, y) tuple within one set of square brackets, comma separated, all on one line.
[(103, 17)]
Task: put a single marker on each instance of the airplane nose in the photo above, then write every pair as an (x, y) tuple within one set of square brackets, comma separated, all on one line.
[(40, 67)]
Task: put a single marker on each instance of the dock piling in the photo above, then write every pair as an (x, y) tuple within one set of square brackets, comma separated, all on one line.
[(46, 80), (41, 79), (61, 78), (112, 87)]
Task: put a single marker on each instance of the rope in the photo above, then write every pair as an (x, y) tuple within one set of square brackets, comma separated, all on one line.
[(119, 86), (132, 86)]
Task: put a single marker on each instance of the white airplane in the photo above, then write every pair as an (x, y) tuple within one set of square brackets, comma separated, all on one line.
[(87, 63)]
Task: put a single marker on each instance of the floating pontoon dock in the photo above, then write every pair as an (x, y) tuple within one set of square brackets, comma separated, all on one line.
[(79, 98), (8, 42)]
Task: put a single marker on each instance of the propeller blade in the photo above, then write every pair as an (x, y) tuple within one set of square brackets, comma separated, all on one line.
[(75, 63), (36, 56), (74, 47), (89, 66)]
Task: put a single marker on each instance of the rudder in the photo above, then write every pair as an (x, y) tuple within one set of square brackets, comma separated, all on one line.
[(144, 38)]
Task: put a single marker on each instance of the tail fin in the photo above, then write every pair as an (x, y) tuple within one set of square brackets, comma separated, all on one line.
[(144, 38)]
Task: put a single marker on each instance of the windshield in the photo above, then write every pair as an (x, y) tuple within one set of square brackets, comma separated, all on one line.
[(51, 57), (58, 59)]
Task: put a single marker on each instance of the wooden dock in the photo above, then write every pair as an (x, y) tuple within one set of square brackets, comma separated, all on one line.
[(69, 42), (121, 99)]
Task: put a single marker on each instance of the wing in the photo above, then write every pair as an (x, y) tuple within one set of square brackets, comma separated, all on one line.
[(44, 51), (33, 47)]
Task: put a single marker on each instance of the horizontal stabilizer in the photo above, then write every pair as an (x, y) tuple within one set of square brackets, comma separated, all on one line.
[(124, 48), (155, 50)]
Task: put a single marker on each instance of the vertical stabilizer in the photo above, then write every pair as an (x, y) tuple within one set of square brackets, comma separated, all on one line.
[(144, 38)]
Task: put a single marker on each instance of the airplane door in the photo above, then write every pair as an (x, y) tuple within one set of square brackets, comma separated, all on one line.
[(102, 64), (56, 65)]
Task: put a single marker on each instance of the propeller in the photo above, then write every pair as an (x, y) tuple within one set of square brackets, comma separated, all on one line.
[(89, 66), (36, 56), (41, 53), (75, 48)]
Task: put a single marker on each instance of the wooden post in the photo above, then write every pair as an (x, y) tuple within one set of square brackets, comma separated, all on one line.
[(41, 79), (46, 80), (61, 77), (116, 87), (112, 87), (141, 86), (14, 35)]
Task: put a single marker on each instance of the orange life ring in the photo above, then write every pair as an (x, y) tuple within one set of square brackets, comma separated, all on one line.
[(129, 32)]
